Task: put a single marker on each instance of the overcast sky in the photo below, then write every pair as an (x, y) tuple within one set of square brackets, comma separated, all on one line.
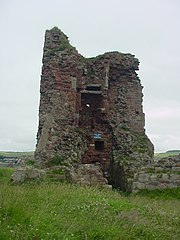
[(147, 28)]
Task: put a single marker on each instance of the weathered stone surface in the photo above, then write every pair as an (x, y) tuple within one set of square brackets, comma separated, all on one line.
[(91, 111), (19, 175), (144, 177), (176, 169), (163, 174), (86, 174), (175, 177), (138, 185), (165, 177), (23, 174), (153, 177)]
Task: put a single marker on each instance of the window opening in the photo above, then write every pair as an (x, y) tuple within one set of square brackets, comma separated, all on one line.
[(93, 88), (99, 145), (91, 101)]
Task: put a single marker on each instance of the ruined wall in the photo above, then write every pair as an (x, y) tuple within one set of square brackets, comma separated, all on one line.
[(91, 111), (164, 173), (57, 133)]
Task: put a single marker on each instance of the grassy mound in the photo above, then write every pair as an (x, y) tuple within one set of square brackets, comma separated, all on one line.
[(61, 211), (169, 153)]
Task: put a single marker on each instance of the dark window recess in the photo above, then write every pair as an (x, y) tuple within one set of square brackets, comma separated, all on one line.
[(93, 88), (93, 101), (56, 37), (99, 145)]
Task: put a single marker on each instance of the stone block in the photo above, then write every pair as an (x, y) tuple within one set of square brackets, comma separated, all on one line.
[(144, 177), (86, 174), (174, 177), (163, 185), (33, 173), (151, 185), (165, 177), (136, 176), (176, 169), (138, 185), (172, 185), (153, 177), (159, 169), (27, 173), (178, 183), (19, 176)]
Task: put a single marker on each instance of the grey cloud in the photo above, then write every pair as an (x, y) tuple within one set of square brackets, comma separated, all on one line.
[(148, 29)]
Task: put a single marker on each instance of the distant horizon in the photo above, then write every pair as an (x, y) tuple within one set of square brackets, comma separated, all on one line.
[(14, 151)]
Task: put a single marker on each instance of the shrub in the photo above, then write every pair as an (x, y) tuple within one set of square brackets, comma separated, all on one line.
[(56, 161)]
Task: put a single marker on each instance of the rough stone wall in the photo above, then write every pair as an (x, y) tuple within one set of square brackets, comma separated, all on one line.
[(165, 173), (91, 111), (57, 133), (87, 175)]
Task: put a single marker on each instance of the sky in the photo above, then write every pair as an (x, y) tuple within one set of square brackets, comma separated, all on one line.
[(149, 29)]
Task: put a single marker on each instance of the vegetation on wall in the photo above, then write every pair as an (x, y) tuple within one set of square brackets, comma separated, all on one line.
[(141, 144), (57, 160)]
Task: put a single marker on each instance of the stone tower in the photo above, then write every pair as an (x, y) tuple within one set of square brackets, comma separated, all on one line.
[(91, 111)]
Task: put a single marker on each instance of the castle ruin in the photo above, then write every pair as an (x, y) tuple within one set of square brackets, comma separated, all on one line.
[(91, 111)]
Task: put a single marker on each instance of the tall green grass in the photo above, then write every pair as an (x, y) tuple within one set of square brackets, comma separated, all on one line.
[(5, 174), (60, 211), (161, 194)]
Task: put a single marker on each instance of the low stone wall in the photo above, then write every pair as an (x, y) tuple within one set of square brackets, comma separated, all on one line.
[(165, 173), (87, 175), (82, 174), (23, 174)]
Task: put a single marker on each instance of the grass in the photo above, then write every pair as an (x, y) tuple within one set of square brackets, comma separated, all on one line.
[(5, 174), (47, 211), (166, 154), (161, 194)]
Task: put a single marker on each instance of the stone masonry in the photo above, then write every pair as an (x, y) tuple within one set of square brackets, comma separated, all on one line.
[(91, 111), (164, 173)]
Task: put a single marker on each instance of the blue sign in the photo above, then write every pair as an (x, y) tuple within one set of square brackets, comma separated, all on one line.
[(97, 135)]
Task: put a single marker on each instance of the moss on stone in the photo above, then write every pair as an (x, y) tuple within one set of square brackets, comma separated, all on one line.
[(57, 160), (90, 73), (141, 144), (62, 47), (125, 159)]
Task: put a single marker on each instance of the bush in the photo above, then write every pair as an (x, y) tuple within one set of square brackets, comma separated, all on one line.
[(56, 161), (30, 162)]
